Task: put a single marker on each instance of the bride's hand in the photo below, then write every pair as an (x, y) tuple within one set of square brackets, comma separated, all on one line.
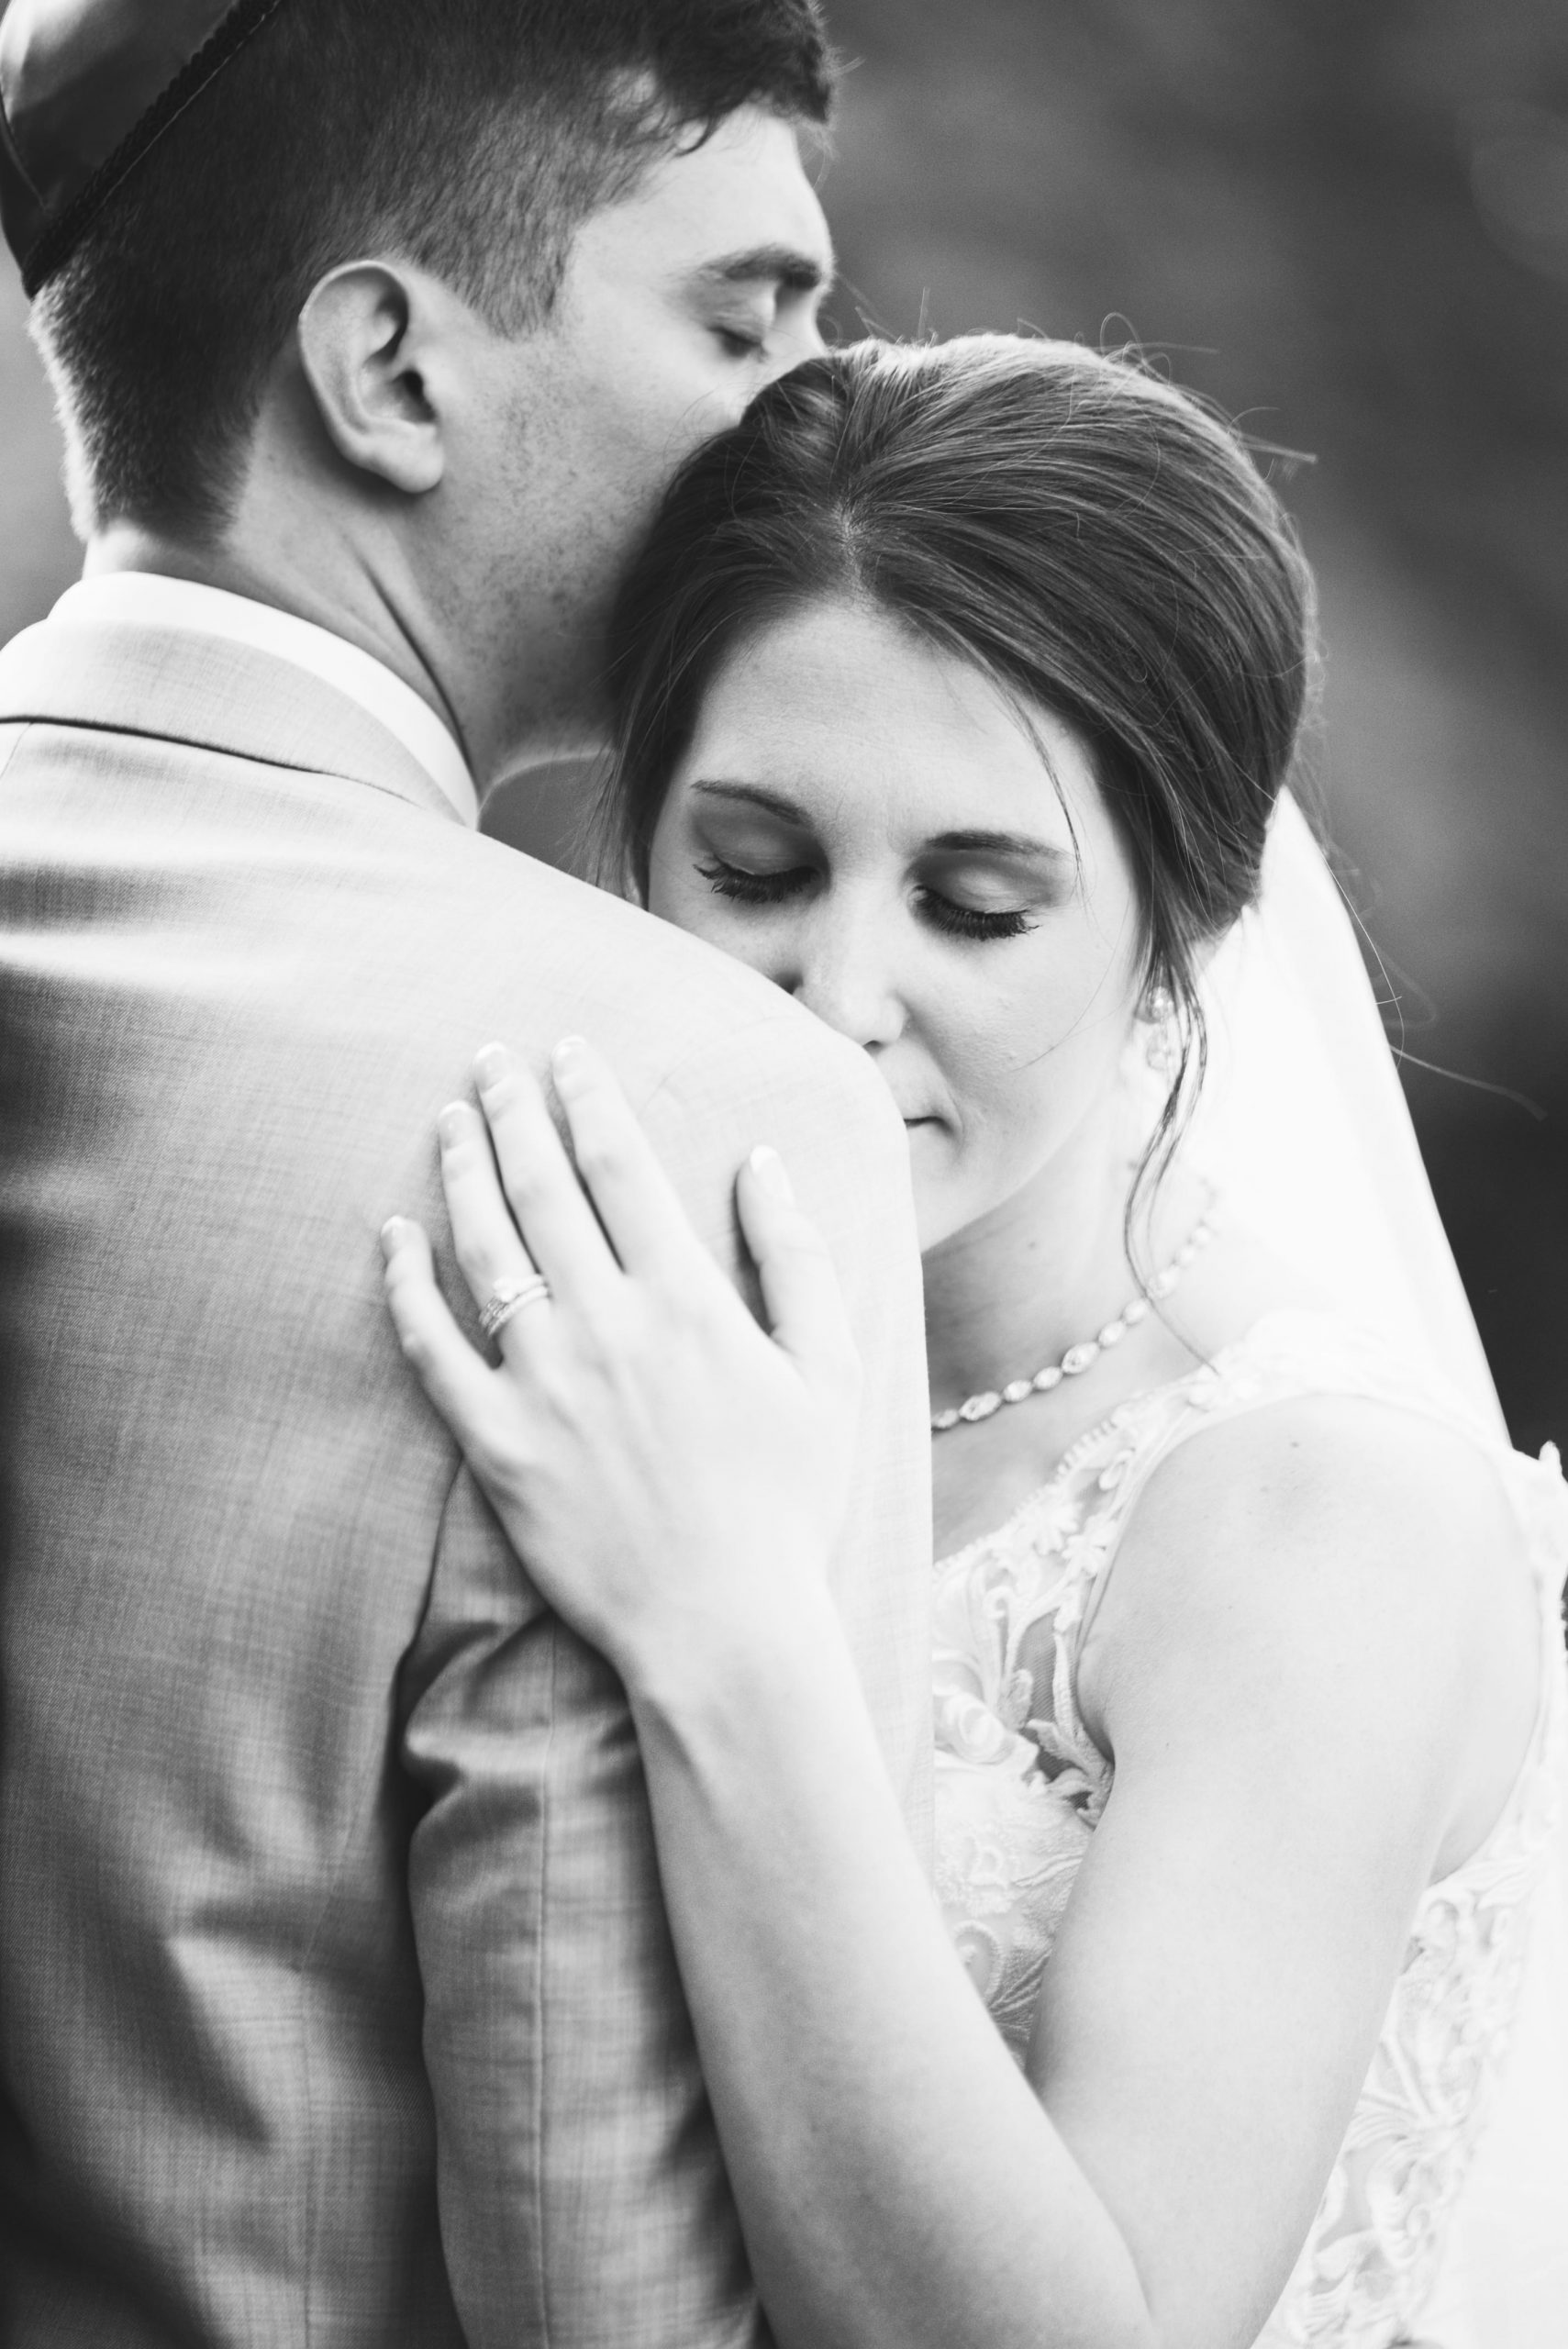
[(672, 1476)]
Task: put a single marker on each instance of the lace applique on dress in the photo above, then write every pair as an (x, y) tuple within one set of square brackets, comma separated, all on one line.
[(1020, 1789), (1016, 1800)]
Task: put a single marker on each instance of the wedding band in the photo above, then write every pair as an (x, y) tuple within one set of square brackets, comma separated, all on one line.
[(508, 1297)]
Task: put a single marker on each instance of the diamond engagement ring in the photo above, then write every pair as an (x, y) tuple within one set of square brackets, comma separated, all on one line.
[(508, 1297)]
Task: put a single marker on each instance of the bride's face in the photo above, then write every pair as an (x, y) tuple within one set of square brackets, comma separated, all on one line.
[(863, 819)]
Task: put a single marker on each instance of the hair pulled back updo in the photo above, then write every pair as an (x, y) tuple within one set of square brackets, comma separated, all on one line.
[(1095, 540)]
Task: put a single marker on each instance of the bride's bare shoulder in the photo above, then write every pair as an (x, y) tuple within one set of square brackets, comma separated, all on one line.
[(1399, 1468), (1358, 1561)]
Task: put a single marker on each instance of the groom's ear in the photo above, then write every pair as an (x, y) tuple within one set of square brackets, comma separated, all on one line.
[(378, 345)]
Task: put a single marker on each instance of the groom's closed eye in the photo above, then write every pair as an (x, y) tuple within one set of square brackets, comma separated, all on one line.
[(746, 332), (747, 296)]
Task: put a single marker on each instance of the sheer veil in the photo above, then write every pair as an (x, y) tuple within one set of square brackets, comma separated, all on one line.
[(1302, 1123), (1305, 1132)]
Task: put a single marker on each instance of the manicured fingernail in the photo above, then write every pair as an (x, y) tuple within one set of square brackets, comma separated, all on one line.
[(394, 1233), (773, 1175), (492, 1064), (453, 1122)]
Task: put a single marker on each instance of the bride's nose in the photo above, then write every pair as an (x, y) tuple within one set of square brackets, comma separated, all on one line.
[(844, 975)]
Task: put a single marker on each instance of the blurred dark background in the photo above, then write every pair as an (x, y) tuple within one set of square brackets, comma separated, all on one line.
[(1349, 224)]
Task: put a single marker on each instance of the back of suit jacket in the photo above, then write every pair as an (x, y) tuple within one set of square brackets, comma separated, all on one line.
[(336, 1998)]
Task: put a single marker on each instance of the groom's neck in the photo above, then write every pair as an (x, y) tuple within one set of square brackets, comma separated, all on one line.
[(503, 728), (341, 597)]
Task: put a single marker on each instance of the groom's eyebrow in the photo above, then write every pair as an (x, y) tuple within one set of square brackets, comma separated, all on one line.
[(786, 266)]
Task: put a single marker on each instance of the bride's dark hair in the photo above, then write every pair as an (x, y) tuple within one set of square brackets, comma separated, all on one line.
[(1094, 539)]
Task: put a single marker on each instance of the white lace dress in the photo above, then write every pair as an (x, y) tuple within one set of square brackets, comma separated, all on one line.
[(1446, 2216)]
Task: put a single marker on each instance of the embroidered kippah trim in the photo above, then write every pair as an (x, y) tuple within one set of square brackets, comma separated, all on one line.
[(54, 247)]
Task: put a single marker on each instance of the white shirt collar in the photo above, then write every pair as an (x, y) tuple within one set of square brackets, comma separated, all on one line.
[(151, 599)]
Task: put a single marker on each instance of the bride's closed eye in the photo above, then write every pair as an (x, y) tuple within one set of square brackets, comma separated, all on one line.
[(974, 921), (745, 887)]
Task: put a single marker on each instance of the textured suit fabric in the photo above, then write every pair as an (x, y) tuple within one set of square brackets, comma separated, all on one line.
[(337, 2002)]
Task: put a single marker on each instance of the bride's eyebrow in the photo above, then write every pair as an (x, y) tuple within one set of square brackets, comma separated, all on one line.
[(1020, 845), (753, 794)]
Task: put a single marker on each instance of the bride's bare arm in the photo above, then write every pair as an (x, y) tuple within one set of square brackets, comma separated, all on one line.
[(671, 1476)]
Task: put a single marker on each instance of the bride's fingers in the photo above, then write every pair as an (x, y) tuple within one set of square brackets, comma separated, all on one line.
[(546, 1196), (635, 1199), (454, 1377), (801, 1294), (485, 1238)]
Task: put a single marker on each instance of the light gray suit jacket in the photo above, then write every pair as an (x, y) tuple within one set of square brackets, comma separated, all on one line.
[(336, 2003)]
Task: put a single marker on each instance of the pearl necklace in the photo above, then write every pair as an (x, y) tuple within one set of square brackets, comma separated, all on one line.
[(1082, 1357)]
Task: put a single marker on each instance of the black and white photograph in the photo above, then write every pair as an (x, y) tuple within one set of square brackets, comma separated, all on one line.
[(784, 1175)]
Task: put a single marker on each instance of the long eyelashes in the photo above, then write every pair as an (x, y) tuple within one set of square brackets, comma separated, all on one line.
[(754, 888), (968, 921), (732, 881)]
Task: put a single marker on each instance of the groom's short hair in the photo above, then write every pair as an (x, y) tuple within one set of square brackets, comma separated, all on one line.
[(471, 137)]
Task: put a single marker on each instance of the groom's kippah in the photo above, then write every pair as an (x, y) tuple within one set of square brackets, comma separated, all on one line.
[(86, 88)]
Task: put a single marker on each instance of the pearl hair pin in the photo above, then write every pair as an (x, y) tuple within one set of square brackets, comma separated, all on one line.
[(1082, 1357)]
